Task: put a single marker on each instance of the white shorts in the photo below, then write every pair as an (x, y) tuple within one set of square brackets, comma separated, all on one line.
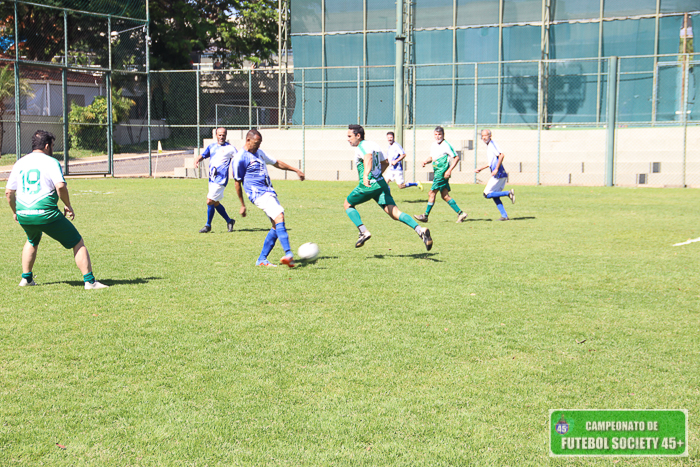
[(216, 192), (495, 184), (395, 175), (270, 205)]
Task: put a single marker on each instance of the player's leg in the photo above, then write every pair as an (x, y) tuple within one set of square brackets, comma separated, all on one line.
[(445, 193), (397, 215), (429, 207), (495, 190), (501, 209), (82, 260), (215, 194), (268, 245), (357, 196), (28, 258), (274, 210), (402, 182)]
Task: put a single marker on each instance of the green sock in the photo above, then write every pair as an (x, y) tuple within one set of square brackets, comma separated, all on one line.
[(354, 216), (453, 205), (428, 208), (406, 219), (89, 277), (28, 275)]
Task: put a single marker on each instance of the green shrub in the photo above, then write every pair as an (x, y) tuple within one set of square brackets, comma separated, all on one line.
[(87, 127)]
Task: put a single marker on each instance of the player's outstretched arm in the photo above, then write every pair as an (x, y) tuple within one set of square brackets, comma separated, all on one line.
[(427, 161), (284, 166)]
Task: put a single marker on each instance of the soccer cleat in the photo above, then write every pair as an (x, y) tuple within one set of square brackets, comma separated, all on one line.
[(265, 263), (288, 260), (422, 217), (420, 185), (461, 217), (425, 236), (364, 236), (511, 195), (205, 229), (504, 219), (95, 285), (230, 225), (24, 283)]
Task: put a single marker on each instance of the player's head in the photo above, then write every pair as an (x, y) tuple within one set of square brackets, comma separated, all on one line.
[(252, 140), (390, 137), (356, 134), (221, 135), (486, 135), (439, 134), (41, 140)]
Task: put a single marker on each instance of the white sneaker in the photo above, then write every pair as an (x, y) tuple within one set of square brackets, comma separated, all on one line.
[(462, 217), (511, 195), (95, 285), (25, 283), (364, 236)]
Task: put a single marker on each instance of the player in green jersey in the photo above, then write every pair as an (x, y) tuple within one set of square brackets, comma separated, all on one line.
[(444, 160), (35, 185), (371, 163)]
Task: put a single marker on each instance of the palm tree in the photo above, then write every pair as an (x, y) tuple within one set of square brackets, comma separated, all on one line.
[(7, 91)]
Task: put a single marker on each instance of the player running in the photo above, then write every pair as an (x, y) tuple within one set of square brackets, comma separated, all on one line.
[(444, 160), (370, 162), (250, 170), (396, 155)]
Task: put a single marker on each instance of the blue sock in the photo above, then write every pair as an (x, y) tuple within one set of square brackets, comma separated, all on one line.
[(220, 209), (284, 238), (268, 245), (210, 214), (497, 194), (411, 184), (500, 207)]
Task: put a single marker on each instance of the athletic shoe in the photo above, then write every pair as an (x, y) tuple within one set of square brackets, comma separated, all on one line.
[(364, 236), (205, 229), (95, 285), (422, 217), (462, 217), (288, 260), (230, 225), (265, 263), (420, 185), (25, 283), (511, 195), (504, 219), (425, 236)]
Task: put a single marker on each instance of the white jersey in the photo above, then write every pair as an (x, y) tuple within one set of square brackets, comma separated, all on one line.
[(394, 152), (34, 178), (369, 147)]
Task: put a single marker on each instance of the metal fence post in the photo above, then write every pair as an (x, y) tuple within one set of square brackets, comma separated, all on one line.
[(110, 122), (540, 102), (303, 120), (199, 134), (476, 113), (686, 68), (359, 109), (611, 120), (64, 90), (18, 132), (250, 98)]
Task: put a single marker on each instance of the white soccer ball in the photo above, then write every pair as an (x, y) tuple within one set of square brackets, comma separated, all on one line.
[(308, 252)]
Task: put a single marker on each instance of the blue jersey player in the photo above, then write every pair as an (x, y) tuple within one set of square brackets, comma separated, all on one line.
[(250, 173), (219, 155)]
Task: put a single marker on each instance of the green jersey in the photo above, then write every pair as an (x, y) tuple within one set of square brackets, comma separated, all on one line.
[(442, 155), (375, 172), (34, 178)]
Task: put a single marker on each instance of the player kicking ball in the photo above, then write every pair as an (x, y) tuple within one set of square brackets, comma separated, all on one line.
[(250, 173), (370, 162)]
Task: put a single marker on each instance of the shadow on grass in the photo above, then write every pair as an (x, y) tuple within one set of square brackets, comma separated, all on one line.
[(302, 264), (109, 282), (429, 256), (252, 230), (496, 220)]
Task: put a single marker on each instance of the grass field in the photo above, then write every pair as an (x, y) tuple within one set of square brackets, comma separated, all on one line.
[(385, 355)]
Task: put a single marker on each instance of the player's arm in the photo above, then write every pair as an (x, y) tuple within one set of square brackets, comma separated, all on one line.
[(11, 196), (428, 161), (239, 192), (367, 160), (399, 158), (284, 166), (384, 164), (498, 164), (62, 190), (481, 168), (453, 164), (199, 158)]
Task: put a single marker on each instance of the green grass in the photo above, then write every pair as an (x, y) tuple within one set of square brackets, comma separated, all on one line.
[(384, 355)]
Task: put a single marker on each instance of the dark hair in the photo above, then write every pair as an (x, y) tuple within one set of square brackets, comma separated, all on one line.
[(390, 133), (357, 130), (252, 133), (41, 138), (440, 129)]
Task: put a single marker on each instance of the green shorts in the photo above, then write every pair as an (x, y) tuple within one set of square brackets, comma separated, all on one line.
[(379, 191), (440, 184), (61, 230)]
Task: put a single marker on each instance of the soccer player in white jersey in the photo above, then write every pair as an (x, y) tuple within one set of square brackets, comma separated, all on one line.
[(396, 155), (219, 154), (444, 160), (35, 185), (250, 171), (496, 184), (370, 162)]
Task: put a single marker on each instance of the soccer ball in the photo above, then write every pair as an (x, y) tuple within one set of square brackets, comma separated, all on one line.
[(308, 252)]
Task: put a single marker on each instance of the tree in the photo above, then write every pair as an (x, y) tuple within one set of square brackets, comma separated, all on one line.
[(7, 91), (87, 124)]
